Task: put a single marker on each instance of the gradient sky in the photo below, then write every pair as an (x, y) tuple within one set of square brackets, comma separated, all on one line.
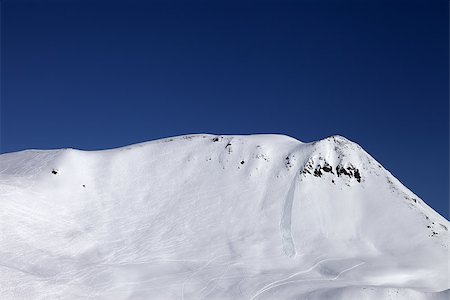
[(101, 74)]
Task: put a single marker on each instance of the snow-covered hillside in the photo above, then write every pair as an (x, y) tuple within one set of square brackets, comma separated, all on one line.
[(216, 217)]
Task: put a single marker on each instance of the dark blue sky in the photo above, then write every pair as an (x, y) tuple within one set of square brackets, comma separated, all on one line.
[(101, 74)]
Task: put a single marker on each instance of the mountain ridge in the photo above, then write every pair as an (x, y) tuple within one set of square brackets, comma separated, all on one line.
[(266, 215)]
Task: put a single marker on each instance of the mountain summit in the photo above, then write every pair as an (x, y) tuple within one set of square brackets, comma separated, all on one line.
[(216, 217)]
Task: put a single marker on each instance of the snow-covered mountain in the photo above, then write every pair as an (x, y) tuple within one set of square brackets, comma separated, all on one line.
[(216, 217)]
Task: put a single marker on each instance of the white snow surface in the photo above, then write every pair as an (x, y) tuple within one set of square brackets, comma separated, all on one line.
[(216, 217)]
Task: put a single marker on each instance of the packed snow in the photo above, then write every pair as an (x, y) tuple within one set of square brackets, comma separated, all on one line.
[(216, 217)]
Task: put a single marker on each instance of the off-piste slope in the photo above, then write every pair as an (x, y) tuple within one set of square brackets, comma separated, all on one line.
[(216, 217)]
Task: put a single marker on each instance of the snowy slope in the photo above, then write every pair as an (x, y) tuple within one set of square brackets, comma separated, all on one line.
[(216, 217)]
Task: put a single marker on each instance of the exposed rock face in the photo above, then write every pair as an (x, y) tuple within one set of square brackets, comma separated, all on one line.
[(337, 146)]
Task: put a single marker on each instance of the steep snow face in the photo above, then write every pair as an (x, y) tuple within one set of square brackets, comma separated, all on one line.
[(216, 217)]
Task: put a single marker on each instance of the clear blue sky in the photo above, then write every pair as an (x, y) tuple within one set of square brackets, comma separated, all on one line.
[(101, 74)]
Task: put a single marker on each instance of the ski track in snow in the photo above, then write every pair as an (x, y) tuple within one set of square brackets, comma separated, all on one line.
[(284, 282), (198, 271), (216, 279), (292, 275), (286, 222)]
